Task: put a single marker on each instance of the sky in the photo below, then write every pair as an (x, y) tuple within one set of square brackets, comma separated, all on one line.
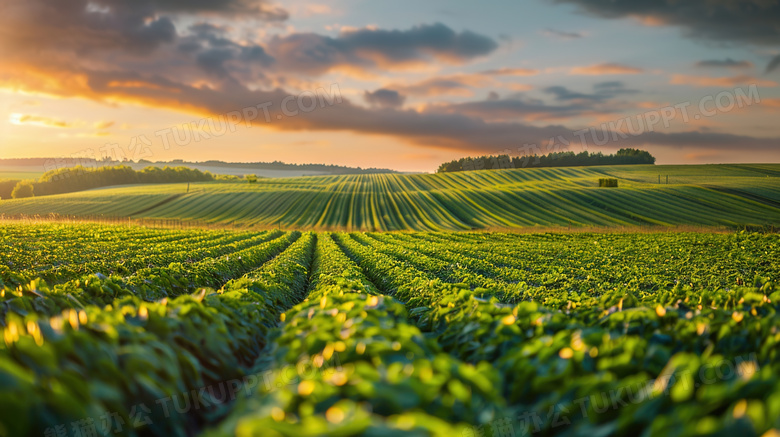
[(396, 84)]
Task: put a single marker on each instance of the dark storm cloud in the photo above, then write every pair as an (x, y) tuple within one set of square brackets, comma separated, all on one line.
[(371, 48), (738, 21), (384, 98), (724, 63)]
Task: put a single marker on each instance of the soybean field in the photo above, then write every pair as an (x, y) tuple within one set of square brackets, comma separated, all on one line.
[(112, 330), (731, 195)]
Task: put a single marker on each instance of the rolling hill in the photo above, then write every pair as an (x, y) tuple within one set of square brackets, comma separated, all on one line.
[(709, 195)]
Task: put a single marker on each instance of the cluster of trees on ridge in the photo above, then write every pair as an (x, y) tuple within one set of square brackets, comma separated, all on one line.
[(70, 179), (557, 159)]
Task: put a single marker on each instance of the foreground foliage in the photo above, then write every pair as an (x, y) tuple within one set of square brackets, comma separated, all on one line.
[(309, 334)]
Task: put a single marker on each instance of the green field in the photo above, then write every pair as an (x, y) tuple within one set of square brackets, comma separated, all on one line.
[(134, 331), (709, 195)]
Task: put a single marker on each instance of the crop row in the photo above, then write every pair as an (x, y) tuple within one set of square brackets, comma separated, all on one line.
[(130, 366), (373, 372), (59, 253)]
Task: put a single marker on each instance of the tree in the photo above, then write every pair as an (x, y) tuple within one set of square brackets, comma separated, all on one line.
[(251, 178), (22, 190), (7, 187)]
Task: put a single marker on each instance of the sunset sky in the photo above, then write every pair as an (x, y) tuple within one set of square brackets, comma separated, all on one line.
[(394, 84)]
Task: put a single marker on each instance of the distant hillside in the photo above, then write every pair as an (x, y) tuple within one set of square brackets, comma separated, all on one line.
[(13, 168), (278, 165), (711, 195), (72, 179)]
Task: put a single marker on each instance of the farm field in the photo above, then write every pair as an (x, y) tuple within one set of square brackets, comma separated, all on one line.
[(20, 172), (132, 331), (708, 195)]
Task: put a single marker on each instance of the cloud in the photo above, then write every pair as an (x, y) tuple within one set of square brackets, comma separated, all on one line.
[(36, 120), (454, 85), (213, 50), (517, 108), (384, 98), (604, 69), (612, 88), (706, 140), (772, 104), (472, 127), (724, 63), (462, 85), (744, 21), (773, 64), (563, 93), (603, 91), (723, 82), (83, 27), (100, 125), (235, 8), (511, 72), (368, 49), (558, 34), (118, 53)]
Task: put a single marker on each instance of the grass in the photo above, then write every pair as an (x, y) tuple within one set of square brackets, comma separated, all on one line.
[(701, 195)]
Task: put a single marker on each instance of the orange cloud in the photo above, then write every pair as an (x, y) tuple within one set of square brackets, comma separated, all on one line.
[(706, 81), (100, 125), (138, 84), (773, 104), (35, 120), (460, 85), (651, 105), (650, 20), (519, 86), (604, 69)]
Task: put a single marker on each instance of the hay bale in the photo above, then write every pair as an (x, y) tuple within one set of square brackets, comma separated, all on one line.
[(610, 183)]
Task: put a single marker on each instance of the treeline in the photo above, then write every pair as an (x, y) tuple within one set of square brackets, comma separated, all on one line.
[(67, 180), (279, 165), (274, 165), (558, 159)]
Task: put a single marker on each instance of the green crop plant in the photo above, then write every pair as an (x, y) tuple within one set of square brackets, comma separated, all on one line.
[(134, 331)]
